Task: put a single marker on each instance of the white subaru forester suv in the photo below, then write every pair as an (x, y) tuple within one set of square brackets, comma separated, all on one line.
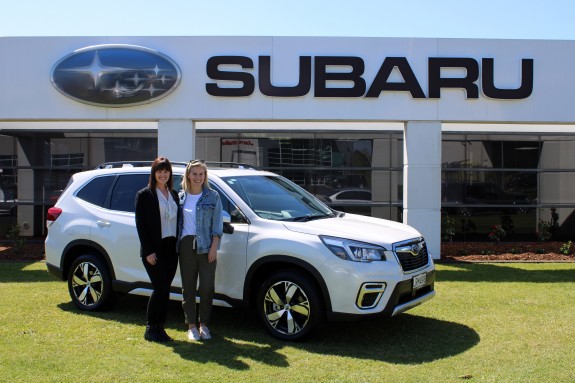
[(283, 252)]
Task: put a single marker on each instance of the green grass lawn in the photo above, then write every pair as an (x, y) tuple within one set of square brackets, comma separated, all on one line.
[(488, 323)]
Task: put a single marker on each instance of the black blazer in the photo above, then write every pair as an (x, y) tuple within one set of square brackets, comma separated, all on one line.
[(148, 221)]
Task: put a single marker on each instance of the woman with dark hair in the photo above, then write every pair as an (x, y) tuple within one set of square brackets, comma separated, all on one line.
[(157, 212)]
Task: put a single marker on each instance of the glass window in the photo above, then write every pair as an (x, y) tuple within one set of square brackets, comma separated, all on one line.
[(128, 148), (474, 223), (477, 151), (8, 189), (124, 194), (324, 163), (558, 153), (95, 191), (512, 180), (353, 195), (67, 160), (557, 187), (276, 198), (228, 206)]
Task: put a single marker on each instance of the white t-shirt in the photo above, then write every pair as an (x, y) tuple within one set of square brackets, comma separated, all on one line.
[(190, 214)]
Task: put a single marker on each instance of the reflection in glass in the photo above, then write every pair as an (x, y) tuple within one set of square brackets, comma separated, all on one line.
[(349, 173)]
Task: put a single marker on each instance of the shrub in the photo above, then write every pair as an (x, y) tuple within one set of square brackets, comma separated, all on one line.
[(565, 248), (448, 228), (544, 232), (497, 233), (13, 234)]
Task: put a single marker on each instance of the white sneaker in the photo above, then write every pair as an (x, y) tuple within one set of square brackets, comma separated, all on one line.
[(205, 332), (193, 334)]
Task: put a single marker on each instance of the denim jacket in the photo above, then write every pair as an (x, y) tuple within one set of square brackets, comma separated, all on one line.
[(209, 219)]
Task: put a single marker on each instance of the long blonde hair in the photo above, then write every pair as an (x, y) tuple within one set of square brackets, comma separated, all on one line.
[(186, 185)]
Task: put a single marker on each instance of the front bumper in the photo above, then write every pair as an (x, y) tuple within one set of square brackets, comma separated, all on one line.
[(403, 298)]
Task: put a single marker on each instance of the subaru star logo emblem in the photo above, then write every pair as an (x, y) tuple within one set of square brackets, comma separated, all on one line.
[(115, 75)]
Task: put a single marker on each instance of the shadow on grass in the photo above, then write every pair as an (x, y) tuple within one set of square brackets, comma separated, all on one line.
[(238, 336), (486, 272), (16, 272)]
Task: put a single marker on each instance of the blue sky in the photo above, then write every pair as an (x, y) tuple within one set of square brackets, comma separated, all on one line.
[(493, 19)]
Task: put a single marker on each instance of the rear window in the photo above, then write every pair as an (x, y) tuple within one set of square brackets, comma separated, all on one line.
[(96, 190)]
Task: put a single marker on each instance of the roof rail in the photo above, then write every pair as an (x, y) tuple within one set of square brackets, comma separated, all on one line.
[(134, 164), (236, 165), (123, 164)]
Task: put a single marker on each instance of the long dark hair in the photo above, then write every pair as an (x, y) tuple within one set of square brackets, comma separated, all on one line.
[(161, 163)]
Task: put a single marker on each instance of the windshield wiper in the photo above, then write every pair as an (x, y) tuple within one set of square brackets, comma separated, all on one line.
[(306, 218)]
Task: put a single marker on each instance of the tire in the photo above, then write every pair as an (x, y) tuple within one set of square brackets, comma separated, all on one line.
[(89, 283), (289, 306)]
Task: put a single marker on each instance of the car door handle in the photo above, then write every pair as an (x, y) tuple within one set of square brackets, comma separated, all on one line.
[(103, 224)]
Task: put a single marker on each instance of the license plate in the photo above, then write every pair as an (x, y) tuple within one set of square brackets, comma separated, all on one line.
[(419, 281)]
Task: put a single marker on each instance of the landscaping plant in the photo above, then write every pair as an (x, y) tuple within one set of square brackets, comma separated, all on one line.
[(497, 233)]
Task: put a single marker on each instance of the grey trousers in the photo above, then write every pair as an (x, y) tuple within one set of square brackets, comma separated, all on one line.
[(192, 266)]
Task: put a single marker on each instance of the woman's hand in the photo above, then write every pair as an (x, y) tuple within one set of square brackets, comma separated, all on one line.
[(212, 254), (152, 259)]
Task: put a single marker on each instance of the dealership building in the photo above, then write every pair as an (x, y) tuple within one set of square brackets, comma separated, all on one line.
[(451, 136)]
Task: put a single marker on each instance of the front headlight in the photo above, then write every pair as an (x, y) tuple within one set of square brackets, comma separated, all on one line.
[(353, 250)]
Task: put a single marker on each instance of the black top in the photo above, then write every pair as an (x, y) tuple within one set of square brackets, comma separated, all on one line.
[(148, 221)]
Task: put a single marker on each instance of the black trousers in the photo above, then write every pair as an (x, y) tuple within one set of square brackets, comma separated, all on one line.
[(161, 275)]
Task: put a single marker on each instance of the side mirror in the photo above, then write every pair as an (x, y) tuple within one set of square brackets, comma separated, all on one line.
[(228, 228)]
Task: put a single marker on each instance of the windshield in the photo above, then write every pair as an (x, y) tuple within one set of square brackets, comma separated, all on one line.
[(276, 198)]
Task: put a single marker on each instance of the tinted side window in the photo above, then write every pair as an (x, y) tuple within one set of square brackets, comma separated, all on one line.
[(124, 193), (177, 182), (227, 205), (96, 190)]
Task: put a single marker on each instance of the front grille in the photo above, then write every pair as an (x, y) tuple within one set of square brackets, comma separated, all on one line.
[(412, 254)]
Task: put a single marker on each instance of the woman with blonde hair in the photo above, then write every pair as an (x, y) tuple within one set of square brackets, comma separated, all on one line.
[(201, 227)]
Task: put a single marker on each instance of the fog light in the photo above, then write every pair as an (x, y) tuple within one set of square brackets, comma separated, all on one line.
[(370, 294)]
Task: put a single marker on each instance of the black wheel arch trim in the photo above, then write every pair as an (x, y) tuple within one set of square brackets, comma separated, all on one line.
[(66, 261), (286, 259), (55, 271)]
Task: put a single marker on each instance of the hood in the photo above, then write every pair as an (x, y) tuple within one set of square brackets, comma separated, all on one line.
[(357, 227)]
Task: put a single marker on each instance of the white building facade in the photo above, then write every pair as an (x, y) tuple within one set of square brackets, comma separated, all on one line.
[(431, 132)]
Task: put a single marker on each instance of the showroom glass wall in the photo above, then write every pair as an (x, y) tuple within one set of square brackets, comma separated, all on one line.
[(511, 180), (521, 182), (35, 167), (353, 172)]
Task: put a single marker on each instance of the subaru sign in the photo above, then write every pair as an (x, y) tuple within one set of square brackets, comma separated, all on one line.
[(115, 75)]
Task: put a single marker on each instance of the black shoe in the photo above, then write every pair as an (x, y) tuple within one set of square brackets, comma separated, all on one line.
[(163, 334), (152, 334)]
